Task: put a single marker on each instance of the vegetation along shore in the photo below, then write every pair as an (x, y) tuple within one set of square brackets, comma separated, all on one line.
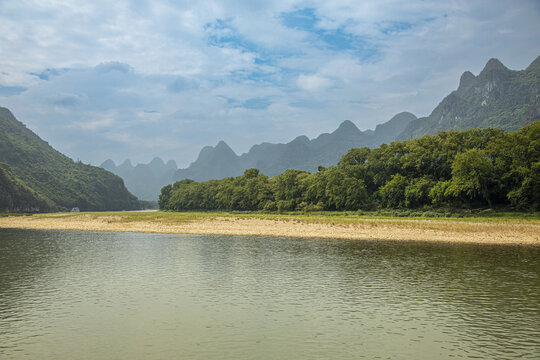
[(469, 169), (493, 229)]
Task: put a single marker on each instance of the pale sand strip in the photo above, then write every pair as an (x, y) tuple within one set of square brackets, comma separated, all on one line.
[(365, 229)]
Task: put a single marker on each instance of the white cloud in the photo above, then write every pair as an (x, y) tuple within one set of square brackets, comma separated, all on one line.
[(146, 78), (313, 82)]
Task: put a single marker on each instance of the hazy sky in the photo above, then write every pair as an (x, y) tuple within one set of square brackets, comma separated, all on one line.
[(136, 79)]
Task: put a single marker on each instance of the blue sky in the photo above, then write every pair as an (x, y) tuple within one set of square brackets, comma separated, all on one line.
[(138, 79)]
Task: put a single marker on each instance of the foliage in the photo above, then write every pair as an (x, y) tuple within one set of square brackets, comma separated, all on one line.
[(476, 168), (472, 175), (15, 196), (393, 192)]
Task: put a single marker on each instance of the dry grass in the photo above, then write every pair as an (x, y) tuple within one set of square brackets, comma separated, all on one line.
[(498, 231)]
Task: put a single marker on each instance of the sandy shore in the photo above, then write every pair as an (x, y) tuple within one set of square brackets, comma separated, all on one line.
[(365, 229)]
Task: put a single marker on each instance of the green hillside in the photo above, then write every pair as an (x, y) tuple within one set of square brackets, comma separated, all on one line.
[(15, 196), (32, 165), (498, 97)]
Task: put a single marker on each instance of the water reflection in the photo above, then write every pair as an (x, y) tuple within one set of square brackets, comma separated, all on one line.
[(85, 295)]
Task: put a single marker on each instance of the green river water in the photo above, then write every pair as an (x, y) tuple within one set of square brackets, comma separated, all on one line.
[(88, 295)]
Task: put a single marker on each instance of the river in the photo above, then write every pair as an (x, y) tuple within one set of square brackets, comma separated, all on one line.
[(89, 295)]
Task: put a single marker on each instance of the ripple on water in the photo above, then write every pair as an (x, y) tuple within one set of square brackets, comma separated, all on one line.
[(85, 295)]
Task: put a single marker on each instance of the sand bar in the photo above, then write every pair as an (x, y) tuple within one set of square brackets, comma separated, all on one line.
[(486, 232)]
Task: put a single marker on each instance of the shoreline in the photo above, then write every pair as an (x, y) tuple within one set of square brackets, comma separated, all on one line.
[(431, 230)]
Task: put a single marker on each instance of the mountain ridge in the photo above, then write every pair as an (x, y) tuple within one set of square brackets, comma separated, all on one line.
[(219, 161), (300, 153), (496, 97)]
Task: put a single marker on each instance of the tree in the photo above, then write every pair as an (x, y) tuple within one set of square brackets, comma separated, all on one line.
[(355, 156), (342, 192), (393, 192), (288, 188), (164, 197), (417, 192), (472, 176)]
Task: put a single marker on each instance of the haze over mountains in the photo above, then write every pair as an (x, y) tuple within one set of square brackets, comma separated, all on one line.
[(146, 180), (498, 97)]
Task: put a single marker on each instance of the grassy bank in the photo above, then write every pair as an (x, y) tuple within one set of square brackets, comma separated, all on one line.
[(500, 228)]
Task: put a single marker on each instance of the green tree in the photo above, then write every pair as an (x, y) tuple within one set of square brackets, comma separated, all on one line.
[(417, 192), (289, 188), (393, 192), (164, 197), (472, 176)]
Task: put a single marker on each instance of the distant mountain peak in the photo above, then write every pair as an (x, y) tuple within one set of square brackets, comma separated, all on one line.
[(126, 162), (301, 139), (109, 162), (208, 152), (223, 146), (108, 165), (466, 79), (393, 127), (494, 65), (157, 161), (404, 116), (347, 127)]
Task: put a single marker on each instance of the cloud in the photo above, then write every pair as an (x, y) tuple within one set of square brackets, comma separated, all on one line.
[(136, 79), (48, 73), (313, 82), (66, 100)]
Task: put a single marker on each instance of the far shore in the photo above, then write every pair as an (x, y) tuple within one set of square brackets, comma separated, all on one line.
[(480, 231)]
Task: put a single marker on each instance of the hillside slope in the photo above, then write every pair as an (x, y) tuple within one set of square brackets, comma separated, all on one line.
[(498, 97), (15, 196), (54, 177)]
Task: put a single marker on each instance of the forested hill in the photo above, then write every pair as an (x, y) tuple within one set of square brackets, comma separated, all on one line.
[(498, 97), (476, 168), (35, 177)]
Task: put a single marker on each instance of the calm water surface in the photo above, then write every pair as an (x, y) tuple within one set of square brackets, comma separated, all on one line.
[(83, 295)]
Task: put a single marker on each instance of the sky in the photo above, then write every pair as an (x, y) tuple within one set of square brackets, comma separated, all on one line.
[(138, 79)]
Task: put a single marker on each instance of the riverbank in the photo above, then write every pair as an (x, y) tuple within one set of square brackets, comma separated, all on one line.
[(486, 231)]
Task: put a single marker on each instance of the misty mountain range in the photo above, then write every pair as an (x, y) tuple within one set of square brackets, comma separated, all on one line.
[(146, 180), (498, 97)]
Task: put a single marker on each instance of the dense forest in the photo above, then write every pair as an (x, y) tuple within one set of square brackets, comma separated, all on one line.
[(476, 168)]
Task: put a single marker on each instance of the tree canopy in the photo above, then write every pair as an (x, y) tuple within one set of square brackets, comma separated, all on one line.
[(469, 168)]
